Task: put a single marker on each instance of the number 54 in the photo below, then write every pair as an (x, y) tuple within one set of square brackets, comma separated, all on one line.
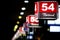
[(45, 7)]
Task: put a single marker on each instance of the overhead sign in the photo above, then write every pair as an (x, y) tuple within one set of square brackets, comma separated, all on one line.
[(46, 9)]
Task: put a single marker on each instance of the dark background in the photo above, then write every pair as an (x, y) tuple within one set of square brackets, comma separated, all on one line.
[(10, 10)]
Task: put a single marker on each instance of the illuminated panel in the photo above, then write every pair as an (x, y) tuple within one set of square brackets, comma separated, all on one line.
[(54, 28), (29, 37), (48, 9), (48, 6), (36, 9), (32, 19)]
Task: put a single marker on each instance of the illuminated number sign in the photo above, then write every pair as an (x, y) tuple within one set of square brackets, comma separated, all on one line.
[(48, 7), (48, 10), (32, 19)]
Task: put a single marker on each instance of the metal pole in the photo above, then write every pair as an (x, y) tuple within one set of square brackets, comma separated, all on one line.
[(43, 30)]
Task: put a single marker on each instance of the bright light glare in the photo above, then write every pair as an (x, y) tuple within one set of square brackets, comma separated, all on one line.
[(18, 22), (23, 8), (15, 27), (22, 13), (26, 1), (31, 37), (19, 17)]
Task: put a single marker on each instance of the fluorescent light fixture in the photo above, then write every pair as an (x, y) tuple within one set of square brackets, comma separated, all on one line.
[(26, 1), (23, 8), (21, 13), (15, 27)]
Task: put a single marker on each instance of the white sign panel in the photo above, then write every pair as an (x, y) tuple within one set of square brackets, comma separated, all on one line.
[(54, 28)]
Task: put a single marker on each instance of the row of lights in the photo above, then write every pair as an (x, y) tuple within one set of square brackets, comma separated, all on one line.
[(20, 17)]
